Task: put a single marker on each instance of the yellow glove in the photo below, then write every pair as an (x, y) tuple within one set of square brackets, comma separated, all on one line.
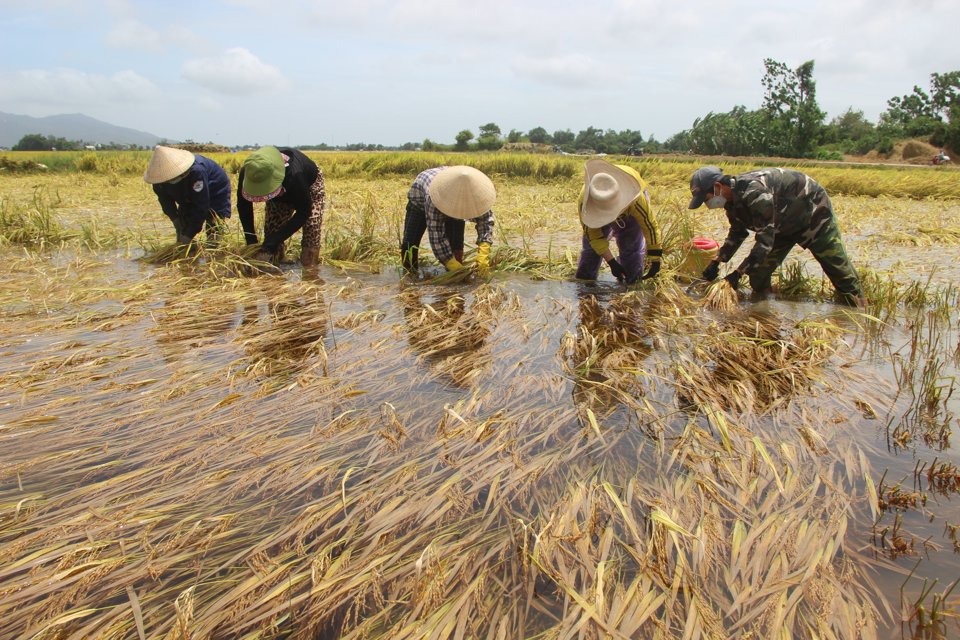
[(483, 258), (453, 264)]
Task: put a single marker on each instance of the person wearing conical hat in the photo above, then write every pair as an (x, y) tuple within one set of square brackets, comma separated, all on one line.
[(440, 201), (193, 191), (615, 203), (291, 185)]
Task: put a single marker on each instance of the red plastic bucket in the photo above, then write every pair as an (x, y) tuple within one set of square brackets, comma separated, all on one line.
[(700, 251), (704, 244)]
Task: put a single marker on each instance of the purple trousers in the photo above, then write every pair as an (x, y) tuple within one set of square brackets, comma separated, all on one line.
[(630, 242)]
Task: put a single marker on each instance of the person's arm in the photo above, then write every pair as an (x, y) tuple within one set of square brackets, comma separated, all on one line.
[(167, 202), (735, 236), (642, 212), (245, 211), (484, 225), (302, 202), (599, 243)]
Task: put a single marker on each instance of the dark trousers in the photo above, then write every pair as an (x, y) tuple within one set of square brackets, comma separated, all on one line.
[(415, 225)]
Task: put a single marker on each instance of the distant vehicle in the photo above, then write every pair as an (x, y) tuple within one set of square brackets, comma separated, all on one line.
[(941, 158)]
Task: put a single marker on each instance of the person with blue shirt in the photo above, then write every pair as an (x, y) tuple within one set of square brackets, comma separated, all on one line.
[(193, 191)]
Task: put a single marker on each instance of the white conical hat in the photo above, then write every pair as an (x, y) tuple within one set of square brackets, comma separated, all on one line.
[(607, 191), (167, 163), (462, 192)]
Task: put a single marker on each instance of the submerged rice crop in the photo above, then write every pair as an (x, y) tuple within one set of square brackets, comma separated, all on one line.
[(194, 449)]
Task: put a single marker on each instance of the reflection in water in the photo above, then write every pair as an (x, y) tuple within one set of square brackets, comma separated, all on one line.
[(608, 353), (448, 335), (286, 336), (490, 471), (192, 321)]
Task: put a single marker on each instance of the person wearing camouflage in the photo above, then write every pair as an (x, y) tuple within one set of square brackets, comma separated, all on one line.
[(783, 208)]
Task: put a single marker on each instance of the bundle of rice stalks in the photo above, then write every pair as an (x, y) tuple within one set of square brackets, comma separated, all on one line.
[(720, 296), (170, 253)]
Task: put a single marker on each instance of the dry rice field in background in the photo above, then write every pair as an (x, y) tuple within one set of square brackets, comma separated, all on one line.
[(193, 449)]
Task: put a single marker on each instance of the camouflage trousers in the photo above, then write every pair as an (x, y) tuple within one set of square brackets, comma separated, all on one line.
[(827, 247)]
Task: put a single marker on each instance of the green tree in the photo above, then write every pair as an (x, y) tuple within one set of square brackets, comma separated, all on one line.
[(463, 139), (32, 142), (589, 138), (490, 129), (40, 142), (790, 103), (515, 136), (564, 139), (539, 135), (489, 138), (927, 114), (738, 132), (851, 132)]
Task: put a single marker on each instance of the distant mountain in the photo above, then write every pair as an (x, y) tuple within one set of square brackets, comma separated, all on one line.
[(72, 126)]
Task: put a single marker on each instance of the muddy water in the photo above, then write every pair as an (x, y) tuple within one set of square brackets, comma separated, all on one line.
[(115, 366)]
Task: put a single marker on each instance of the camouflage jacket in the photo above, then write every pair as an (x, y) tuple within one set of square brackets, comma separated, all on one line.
[(778, 205)]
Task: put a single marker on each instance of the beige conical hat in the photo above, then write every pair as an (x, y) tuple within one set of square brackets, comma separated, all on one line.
[(607, 191), (462, 192), (167, 163)]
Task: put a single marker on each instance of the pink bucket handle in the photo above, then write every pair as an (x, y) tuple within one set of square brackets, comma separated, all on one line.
[(705, 244)]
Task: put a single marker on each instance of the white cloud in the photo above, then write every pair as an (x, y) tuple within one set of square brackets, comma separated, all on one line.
[(73, 89), (133, 34), (236, 72), (571, 70)]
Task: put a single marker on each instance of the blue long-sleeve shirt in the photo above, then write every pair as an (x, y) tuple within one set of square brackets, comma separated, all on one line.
[(202, 192)]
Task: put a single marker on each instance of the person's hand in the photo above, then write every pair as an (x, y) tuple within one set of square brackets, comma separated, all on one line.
[(712, 271), (183, 239), (617, 270), (733, 279), (653, 271), (453, 264), (483, 259)]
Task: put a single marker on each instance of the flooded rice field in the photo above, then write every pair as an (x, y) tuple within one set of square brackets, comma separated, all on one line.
[(329, 454), (192, 452)]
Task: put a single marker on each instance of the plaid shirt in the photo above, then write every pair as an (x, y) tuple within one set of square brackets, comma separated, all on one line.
[(419, 195)]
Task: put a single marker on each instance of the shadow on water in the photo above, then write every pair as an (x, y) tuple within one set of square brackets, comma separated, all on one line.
[(520, 433)]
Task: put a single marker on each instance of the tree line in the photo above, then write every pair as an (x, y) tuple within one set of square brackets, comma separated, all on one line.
[(789, 123), (40, 142)]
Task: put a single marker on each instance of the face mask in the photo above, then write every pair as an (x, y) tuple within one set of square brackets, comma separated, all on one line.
[(716, 202)]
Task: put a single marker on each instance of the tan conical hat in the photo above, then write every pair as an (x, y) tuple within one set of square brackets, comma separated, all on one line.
[(167, 163), (462, 192), (607, 191)]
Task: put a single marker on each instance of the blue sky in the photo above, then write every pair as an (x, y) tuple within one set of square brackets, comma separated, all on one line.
[(310, 71)]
